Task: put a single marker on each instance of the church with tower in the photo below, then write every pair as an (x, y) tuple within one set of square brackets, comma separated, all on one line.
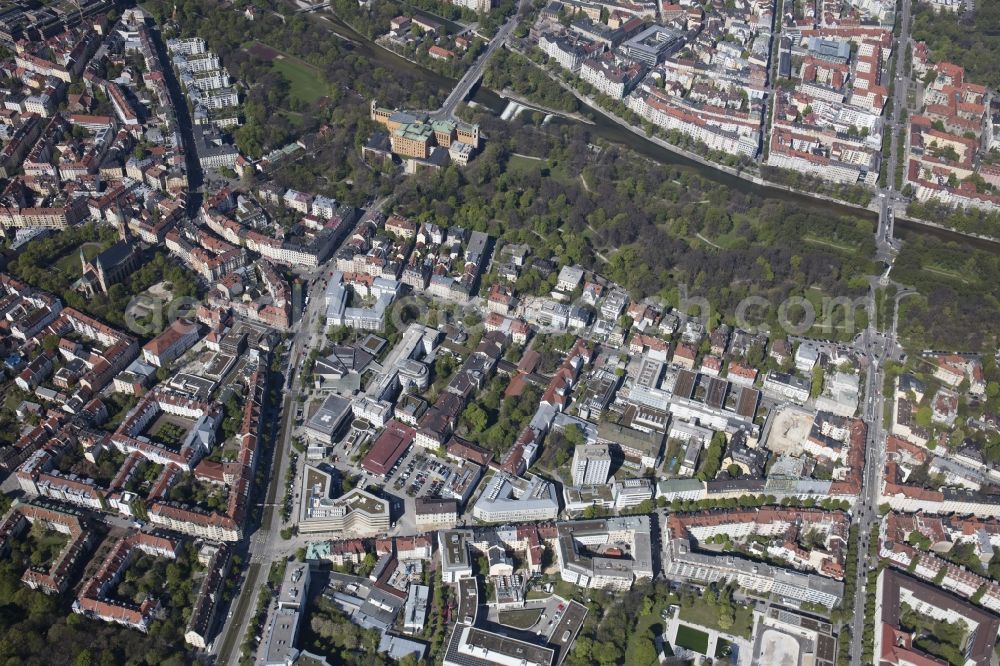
[(109, 267)]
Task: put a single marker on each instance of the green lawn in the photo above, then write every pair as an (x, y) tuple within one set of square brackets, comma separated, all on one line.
[(47, 546), (69, 263), (948, 273), (733, 240), (520, 164), (305, 82), (831, 319), (826, 242), (170, 434), (523, 618), (706, 616), (690, 638), (569, 591), (295, 119)]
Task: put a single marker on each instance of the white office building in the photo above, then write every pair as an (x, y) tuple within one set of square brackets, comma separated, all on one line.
[(510, 499), (591, 465)]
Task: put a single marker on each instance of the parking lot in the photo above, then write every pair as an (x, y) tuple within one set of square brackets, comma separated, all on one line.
[(567, 627), (418, 473), (552, 616)]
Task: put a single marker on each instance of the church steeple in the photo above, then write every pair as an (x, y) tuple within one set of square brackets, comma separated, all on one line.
[(101, 278)]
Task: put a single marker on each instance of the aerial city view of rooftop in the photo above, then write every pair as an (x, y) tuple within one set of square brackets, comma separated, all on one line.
[(500, 332)]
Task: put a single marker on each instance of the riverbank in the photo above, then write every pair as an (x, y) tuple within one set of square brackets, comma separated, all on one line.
[(378, 41), (380, 54), (916, 224), (343, 37), (872, 207), (694, 157)]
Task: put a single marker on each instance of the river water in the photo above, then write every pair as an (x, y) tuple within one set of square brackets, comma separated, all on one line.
[(605, 128)]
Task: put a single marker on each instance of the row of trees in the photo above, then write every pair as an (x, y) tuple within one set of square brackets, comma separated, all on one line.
[(967, 220), (752, 501), (871, 593), (851, 563), (856, 194)]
